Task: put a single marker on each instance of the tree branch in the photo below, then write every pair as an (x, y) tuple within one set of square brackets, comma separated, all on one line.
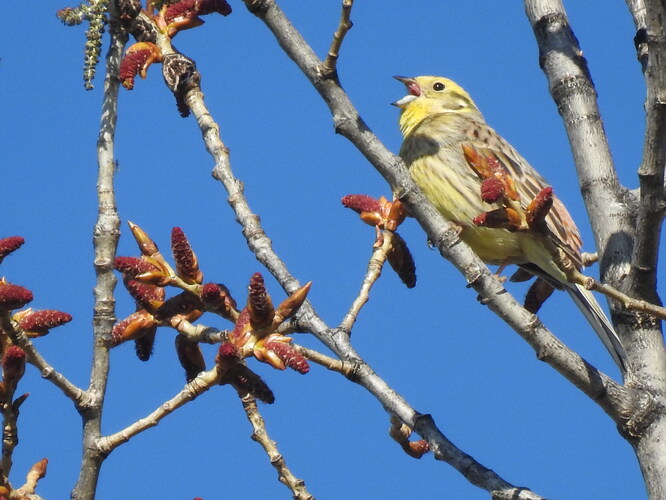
[(200, 384), (335, 339), (475, 473), (624, 299), (639, 13), (329, 68), (571, 86), (627, 239), (374, 271), (79, 397), (650, 40), (200, 333), (105, 239), (259, 434), (345, 368), (651, 172)]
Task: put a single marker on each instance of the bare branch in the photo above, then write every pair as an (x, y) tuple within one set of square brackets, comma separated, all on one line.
[(651, 172), (572, 89), (345, 368), (107, 227), (625, 300), (76, 394), (375, 265), (639, 13), (259, 434), (105, 239), (475, 473), (9, 431), (647, 335), (589, 258), (200, 384), (610, 396), (329, 67), (615, 228)]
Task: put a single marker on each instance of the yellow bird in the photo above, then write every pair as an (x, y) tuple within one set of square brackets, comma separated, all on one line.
[(439, 122)]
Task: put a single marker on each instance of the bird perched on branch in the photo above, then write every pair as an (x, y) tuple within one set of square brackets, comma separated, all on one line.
[(505, 210)]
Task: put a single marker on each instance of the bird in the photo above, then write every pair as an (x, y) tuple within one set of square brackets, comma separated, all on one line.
[(441, 127)]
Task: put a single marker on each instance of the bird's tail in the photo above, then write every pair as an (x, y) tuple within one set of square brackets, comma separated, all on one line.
[(596, 317)]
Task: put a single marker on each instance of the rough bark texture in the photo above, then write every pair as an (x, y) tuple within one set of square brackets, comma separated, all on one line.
[(626, 227)]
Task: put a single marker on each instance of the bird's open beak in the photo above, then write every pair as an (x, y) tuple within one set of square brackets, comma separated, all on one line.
[(413, 90)]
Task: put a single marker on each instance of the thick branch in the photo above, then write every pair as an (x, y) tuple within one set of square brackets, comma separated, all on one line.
[(639, 13), (650, 20), (651, 171), (573, 91)]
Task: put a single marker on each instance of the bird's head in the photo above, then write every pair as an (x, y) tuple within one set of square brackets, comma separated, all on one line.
[(431, 95)]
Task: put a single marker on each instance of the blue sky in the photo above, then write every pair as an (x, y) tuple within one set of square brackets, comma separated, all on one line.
[(445, 353)]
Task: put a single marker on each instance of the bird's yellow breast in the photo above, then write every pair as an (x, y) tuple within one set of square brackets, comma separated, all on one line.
[(433, 153), (447, 194)]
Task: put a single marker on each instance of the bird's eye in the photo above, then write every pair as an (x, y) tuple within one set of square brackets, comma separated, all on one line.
[(438, 86)]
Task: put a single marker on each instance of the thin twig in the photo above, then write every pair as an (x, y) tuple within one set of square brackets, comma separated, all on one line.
[(36, 472), (589, 258), (198, 333), (73, 392), (9, 430), (401, 433), (573, 275), (628, 302), (329, 67), (197, 386), (259, 434), (374, 271), (346, 368)]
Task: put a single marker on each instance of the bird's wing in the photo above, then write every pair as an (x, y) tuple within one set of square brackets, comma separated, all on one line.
[(528, 182)]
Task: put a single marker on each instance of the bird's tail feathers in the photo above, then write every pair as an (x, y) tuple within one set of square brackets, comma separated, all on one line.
[(596, 317)]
